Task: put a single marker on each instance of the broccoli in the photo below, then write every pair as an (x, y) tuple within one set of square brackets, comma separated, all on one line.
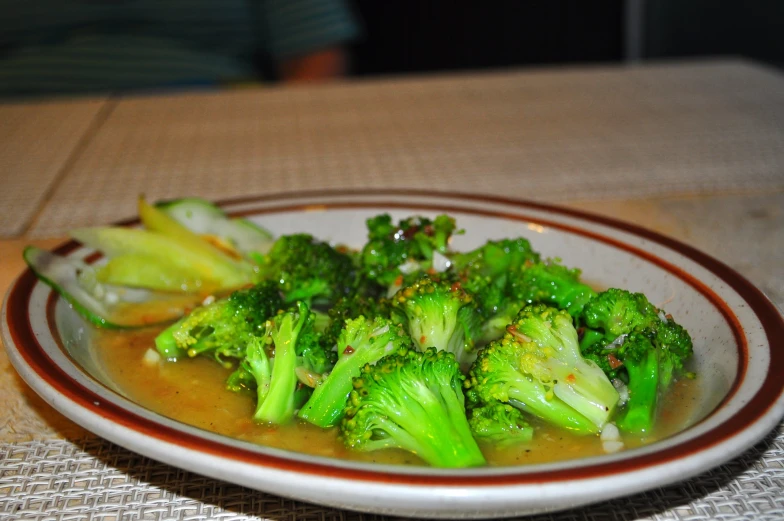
[(396, 252), (308, 269), (494, 258), (440, 314), (314, 359), (549, 282), (616, 312), (500, 424), (222, 328), (412, 401), (351, 306), (536, 366), (276, 372), (633, 340), (362, 341)]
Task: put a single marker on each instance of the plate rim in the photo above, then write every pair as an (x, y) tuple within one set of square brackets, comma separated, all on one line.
[(15, 312)]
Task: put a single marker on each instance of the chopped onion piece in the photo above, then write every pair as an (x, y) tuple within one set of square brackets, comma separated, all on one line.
[(151, 357), (611, 447), (380, 331), (623, 391), (410, 266), (610, 433), (618, 342), (440, 262)]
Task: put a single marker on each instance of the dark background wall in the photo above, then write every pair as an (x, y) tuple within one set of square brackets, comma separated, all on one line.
[(409, 36)]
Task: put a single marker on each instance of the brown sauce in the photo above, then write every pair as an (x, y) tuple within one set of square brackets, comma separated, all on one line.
[(193, 392)]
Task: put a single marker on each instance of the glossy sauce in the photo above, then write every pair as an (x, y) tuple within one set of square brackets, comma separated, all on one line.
[(193, 391)]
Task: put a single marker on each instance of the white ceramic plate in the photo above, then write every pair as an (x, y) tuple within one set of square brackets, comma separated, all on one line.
[(733, 326)]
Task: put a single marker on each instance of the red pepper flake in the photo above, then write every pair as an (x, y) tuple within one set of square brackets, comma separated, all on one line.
[(668, 316), (348, 350), (614, 362), (511, 328), (422, 340), (571, 378), (456, 286), (399, 280)]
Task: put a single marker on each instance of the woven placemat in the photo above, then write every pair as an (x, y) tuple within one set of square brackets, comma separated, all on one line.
[(93, 479), (584, 134), (36, 142)]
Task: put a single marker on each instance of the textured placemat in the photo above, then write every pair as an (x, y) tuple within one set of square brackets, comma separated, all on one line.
[(36, 142), (594, 133), (92, 479)]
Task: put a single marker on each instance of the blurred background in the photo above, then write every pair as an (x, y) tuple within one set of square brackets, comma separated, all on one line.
[(418, 36), (50, 47)]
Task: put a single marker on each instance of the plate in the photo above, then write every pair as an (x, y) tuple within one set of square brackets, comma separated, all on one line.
[(734, 327)]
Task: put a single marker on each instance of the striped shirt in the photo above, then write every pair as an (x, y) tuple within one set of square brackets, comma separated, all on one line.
[(99, 46)]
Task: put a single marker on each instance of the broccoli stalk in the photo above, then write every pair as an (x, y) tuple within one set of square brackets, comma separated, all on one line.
[(276, 387), (412, 401), (362, 341), (440, 314), (641, 360), (222, 328), (537, 368)]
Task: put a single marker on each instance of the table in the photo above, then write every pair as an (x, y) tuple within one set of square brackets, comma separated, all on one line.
[(694, 150)]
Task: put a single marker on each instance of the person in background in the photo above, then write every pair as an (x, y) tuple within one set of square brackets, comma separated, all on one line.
[(74, 47)]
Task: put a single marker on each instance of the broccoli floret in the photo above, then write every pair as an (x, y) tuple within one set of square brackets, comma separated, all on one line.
[(352, 306), (276, 372), (500, 424), (550, 282), (222, 328), (308, 269), (633, 340), (362, 341), (314, 359), (410, 242), (440, 314), (617, 312), (412, 401), (494, 258), (536, 366)]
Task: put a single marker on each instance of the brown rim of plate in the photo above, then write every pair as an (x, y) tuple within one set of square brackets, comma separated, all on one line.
[(20, 329)]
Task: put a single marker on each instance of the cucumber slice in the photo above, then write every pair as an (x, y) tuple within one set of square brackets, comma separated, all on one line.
[(216, 272), (204, 218), (102, 305), (143, 271)]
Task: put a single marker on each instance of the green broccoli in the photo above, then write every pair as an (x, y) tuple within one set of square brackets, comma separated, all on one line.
[(536, 366), (314, 359), (276, 372), (396, 252), (549, 282), (633, 340), (362, 341), (500, 424), (351, 306), (308, 269), (222, 328), (494, 258), (412, 401), (440, 314)]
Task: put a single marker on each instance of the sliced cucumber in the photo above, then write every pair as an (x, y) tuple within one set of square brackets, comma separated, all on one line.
[(143, 271), (204, 218), (215, 272), (102, 305)]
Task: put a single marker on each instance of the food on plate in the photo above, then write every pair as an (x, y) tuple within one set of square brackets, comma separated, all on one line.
[(399, 343)]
